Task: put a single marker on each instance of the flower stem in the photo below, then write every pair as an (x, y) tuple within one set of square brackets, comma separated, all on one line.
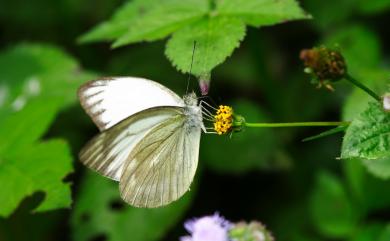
[(362, 87), (297, 124)]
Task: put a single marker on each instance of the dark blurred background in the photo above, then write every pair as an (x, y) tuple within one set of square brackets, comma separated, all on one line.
[(299, 190)]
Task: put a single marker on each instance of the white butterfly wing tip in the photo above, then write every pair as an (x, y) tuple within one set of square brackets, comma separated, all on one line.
[(110, 100)]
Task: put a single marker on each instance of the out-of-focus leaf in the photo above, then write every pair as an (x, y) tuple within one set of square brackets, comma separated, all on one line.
[(245, 151), (330, 13), (33, 70), (215, 37), (373, 6), (162, 20), (385, 235), (99, 211), (368, 136), (261, 12), (369, 232), (358, 100), (331, 208), (27, 125), (38, 167), (36, 82), (371, 193), (359, 45), (379, 167)]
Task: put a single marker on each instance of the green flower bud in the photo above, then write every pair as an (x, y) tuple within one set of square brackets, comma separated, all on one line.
[(253, 231)]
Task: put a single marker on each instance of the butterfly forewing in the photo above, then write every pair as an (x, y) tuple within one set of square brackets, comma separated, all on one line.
[(107, 152), (161, 167), (110, 100)]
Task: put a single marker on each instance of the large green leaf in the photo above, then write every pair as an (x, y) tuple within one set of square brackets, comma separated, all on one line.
[(162, 20), (36, 82), (262, 12), (33, 70), (38, 167), (368, 136), (215, 37), (99, 211), (331, 208), (26, 126), (217, 27)]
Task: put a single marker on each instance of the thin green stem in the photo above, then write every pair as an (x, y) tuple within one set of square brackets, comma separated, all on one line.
[(297, 124), (363, 87)]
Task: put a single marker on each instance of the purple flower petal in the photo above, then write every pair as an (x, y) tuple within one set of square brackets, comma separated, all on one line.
[(208, 228)]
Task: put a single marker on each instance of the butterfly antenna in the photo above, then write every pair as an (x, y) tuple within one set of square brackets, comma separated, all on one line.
[(192, 62)]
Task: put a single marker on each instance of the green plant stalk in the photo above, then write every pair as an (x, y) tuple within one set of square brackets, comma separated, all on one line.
[(297, 124), (363, 87)]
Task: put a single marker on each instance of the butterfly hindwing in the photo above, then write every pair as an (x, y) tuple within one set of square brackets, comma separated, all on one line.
[(161, 167), (107, 152), (110, 100)]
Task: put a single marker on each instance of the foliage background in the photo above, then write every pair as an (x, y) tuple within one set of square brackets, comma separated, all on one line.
[(299, 190)]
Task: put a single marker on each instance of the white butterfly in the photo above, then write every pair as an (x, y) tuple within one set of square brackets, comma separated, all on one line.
[(149, 138)]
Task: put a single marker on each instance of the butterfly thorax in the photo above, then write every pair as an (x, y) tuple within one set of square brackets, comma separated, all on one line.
[(193, 112)]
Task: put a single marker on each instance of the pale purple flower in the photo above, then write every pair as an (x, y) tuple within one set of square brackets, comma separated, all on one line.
[(208, 228)]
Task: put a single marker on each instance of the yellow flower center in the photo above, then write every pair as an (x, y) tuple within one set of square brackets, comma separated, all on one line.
[(223, 120)]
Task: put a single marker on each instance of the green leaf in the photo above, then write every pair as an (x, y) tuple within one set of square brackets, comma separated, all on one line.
[(331, 208), (38, 167), (162, 20), (27, 125), (100, 211), (215, 37), (36, 83), (29, 71), (119, 24), (262, 12), (248, 150), (217, 27), (368, 136)]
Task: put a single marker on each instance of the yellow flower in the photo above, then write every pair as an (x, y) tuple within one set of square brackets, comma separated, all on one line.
[(223, 120)]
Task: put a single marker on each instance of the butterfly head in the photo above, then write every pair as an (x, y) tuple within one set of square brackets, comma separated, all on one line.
[(190, 99)]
